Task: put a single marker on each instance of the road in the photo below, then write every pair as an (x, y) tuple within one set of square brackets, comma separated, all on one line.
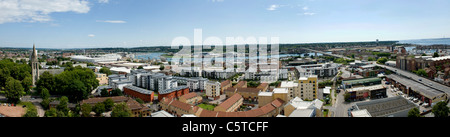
[(424, 81), (324, 53), (37, 103)]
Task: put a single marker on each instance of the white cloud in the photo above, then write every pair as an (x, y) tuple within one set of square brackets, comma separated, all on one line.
[(309, 13), (38, 11), (305, 8), (112, 21), (273, 7), (103, 1), (91, 35)]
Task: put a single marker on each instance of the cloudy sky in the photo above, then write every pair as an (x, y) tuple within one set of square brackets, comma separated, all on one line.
[(136, 23)]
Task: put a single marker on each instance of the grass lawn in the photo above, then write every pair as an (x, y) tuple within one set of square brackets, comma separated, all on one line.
[(207, 107)]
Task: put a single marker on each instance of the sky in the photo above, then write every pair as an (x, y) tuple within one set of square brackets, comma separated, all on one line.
[(139, 23)]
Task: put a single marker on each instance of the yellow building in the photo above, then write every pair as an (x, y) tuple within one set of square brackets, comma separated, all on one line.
[(265, 98), (102, 78), (281, 93), (308, 87)]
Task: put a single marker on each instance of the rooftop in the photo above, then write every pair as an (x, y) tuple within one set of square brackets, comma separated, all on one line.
[(302, 113), (368, 88), (269, 94), (361, 81), (230, 101), (189, 95), (288, 84), (280, 91), (167, 91), (162, 113), (361, 113), (140, 90)]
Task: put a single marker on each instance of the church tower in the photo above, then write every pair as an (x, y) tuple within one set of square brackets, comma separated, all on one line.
[(34, 65)]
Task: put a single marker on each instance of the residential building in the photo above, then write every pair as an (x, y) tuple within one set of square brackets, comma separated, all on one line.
[(299, 108), (177, 108), (321, 70), (281, 93), (212, 89), (136, 92), (265, 98), (136, 108), (232, 104), (162, 113), (225, 85), (271, 109), (308, 87), (173, 92), (191, 98), (292, 87), (102, 78)]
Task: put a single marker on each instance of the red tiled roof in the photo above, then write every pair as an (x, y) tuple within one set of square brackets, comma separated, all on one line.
[(254, 90), (189, 95), (181, 105), (224, 83), (252, 113), (229, 102), (262, 85), (240, 84)]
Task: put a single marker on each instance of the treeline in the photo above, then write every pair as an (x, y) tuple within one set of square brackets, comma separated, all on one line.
[(75, 82), (15, 79)]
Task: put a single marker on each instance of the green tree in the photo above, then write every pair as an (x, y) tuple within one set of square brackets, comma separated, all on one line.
[(51, 113), (382, 60), (140, 67), (105, 70), (13, 90), (104, 93), (46, 80), (63, 105), (161, 67), (45, 94), (27, 82), (45, 103), (440, 109), (121, 110), (109, 104), (414, 113), (347, 96), (424, 54), (435, 55), (116, 92), (99, 108), (86, 110), (421, 72), (31, 110), (371, 59)]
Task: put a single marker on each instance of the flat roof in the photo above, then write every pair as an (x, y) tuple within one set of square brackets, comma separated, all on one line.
[(140, 90), (288, 84), (280, 90), (361, 113), (360, 81), (370, 88), (162, 113), (302, 113), (265, 94), (418, 87)]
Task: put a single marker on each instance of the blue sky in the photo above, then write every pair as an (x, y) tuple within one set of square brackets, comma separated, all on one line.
[(137, 23)]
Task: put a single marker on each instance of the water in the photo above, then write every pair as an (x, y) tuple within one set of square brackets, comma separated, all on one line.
[(427, 42)]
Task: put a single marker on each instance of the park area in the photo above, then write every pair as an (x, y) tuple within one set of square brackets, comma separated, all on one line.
[(207, 107)]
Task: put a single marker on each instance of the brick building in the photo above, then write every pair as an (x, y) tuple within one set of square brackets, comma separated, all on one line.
[(144, 94), (173, 92)]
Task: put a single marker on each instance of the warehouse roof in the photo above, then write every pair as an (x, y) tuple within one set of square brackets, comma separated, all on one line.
[(361, 81)]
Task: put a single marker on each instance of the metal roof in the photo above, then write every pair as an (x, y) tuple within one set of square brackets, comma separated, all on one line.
[(140, 90)]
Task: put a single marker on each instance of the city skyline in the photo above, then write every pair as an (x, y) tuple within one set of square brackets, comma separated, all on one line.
[(66, 24)]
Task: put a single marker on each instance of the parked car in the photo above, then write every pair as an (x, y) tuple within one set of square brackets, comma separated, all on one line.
[(349, 114)]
